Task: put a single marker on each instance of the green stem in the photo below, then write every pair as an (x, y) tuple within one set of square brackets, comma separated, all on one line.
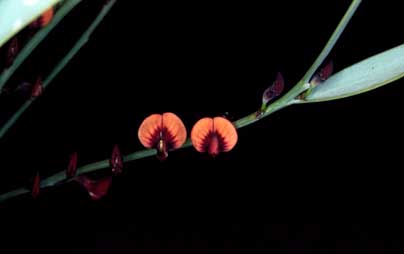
[(36, 40), (286, 100), (333, 39), (79, 44), (15, 117)]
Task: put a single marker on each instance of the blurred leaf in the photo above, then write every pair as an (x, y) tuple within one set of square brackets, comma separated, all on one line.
[(15, 15)]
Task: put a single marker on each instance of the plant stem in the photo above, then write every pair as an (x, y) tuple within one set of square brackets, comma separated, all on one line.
[(66, 59), (15, 117), (286, 100), (36, 40), (333, 39)]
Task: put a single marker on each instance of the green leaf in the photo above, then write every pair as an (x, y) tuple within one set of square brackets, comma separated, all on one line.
[(16, 14), (361, 77)]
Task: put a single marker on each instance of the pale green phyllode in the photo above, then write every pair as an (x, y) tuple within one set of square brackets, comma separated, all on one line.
[(361, 77), (17, 14)]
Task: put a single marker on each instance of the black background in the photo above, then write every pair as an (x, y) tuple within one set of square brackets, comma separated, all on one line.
[(328, 164)]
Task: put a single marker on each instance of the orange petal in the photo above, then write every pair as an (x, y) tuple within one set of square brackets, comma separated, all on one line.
[(176, 129), (200, 132), (149, 129), (226, 130)]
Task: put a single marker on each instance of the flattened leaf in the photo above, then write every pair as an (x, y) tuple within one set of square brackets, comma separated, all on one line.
[(361, 77), (15, 15)]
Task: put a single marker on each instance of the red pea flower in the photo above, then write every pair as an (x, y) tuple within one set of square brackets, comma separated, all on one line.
[(214, 135), (163, 132)]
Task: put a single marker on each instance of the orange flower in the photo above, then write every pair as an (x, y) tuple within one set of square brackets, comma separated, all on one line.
[(163, 132), (214, 135)]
